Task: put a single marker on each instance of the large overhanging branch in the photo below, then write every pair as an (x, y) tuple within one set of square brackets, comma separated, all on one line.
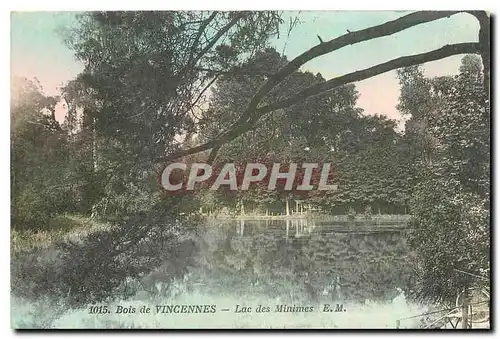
[(323, 48), (245, 125), (441, 53), (484, 40), (351, 38)]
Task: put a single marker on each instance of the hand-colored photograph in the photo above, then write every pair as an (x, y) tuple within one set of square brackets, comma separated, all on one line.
[(250, 170)]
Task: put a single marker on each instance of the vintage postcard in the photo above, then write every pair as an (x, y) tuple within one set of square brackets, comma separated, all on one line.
[(250, 170)]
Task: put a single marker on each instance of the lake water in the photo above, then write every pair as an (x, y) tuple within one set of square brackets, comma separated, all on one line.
[(332, 261), (359, 269)]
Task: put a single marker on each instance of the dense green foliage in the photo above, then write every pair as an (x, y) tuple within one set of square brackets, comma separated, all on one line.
[(450, 202), (369, 163), (41, 181), (157, 82)]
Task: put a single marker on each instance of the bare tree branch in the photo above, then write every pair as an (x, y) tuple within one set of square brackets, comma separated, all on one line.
[(201, 29), (484, 41), (351, 38), (441, 53), (244, 126), (207, 86), (235, 71), (216, 37), (213, 154)]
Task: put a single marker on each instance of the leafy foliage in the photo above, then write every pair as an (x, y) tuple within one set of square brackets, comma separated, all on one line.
[(157, 82), (41, 183), (450, 203)]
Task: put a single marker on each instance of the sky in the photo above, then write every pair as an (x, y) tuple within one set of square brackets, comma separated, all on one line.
[(38, 50)]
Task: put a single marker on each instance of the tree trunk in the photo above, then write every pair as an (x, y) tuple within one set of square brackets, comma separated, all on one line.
[(465, 309), (95, 162), (242, 226)]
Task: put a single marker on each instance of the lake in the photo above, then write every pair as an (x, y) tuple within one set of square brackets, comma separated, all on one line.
[(291, 268), (321, 260)]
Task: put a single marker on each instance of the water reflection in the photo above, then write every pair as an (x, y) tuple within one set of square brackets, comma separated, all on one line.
[(306, 259), (266, 262), (294, 227)]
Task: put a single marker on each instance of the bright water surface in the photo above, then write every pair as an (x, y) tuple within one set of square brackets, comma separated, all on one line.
[(361, 266)]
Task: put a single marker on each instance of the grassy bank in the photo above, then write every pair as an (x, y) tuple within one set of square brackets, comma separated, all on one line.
[(60, 228), (78, 261)]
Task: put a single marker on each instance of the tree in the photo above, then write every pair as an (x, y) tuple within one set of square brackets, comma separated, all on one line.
[(306, 132), (145, 75), (40, 179), (193, 50), (254, 111), (450, 204)]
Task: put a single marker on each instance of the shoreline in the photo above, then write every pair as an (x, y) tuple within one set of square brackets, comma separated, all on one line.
[(386, 218)]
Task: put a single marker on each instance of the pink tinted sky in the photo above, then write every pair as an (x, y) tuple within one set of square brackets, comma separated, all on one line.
[(37, 49)]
